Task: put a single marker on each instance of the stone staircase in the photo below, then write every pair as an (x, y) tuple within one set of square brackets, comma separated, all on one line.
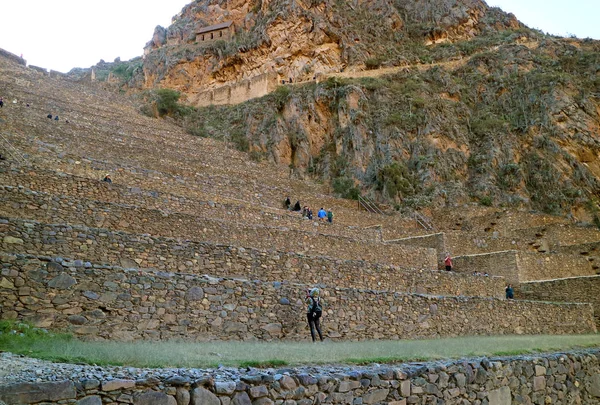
[(191, 241)]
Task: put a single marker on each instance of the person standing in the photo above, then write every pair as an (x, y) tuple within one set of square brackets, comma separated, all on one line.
[(287, 203), (510, 293), (314, 312), (107, 179), (448, 262), (322, 214), (329, 216), (1, 102)]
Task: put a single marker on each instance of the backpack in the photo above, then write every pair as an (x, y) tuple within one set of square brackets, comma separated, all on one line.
[(315, 308)]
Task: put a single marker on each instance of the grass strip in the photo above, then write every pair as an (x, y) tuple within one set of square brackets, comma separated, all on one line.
[(29, 341)]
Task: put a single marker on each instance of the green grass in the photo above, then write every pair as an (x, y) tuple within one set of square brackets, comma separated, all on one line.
[(274, 354)]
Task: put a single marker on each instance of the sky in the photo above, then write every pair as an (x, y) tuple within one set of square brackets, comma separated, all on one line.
[(63, 34)]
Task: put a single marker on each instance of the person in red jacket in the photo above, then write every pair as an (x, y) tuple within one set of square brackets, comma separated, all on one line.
[(448, 262)]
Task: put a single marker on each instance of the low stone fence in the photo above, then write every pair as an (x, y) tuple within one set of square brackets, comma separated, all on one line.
[(517, 267), (433, 241), (143, 250), (131, 304), (572, 289), (81, 188), (555, 378)]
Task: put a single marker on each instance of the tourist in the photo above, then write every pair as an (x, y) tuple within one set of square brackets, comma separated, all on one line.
[(314, 312), (448, 262), (56, 118), (329, 216), (322, 214), (49, 116), (510, 294), (107, 179), (297, 206), (1, 102), (309, 213), (287, 203)]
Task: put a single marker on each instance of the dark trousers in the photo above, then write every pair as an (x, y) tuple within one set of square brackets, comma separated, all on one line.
[(448, 268), (313, 323)]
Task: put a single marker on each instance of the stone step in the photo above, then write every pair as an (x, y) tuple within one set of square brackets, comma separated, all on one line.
[(120, 304)]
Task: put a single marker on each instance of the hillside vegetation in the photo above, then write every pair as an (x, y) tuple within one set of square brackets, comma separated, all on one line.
[(477, 108)]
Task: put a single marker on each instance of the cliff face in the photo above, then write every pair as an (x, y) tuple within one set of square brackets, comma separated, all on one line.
[(413, 102), (298, 40)]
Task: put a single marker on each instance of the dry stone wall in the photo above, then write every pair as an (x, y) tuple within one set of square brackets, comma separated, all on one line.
[(555, 378), (109, 303), (61, 184), (572, 289), (65, 209), (557, 235), (517, 267), (143, 250), (434, 241)]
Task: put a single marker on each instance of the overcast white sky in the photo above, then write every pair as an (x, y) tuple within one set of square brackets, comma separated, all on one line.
[(62, 34)]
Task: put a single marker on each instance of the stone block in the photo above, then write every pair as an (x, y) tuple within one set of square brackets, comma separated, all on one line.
[(500, 396), (227, 387), (202, 396), (540, 370), (258, 391), (62, 282), (376, 396), (405, 388), (241, 398), (594, 382), (118, 384), (288, 383), (346, 386), (90, 400), (539, 383), (182, 396), (154, 398), (31, 393)]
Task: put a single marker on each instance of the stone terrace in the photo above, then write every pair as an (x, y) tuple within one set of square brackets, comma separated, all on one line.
[(169, 248)]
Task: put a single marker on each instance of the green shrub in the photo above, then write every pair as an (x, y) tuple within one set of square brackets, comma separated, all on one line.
[(166, 101), (373, 63), (344, 187)]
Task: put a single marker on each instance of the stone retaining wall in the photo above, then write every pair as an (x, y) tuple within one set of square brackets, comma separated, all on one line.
[(105, 246), (557, 235), (65, 209), (434, 241), (81, 188), (556, 378), (573, 289), (131, 304), (517, 267)]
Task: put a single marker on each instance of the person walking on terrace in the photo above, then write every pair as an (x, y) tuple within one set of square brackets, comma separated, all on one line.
[(1, 102), (107, 179), (314, 312), (322, 214), (448, 262), (510, 294), (329, 216), (297, 206), (287, 203)]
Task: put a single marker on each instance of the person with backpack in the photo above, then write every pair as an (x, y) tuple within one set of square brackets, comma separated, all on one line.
[(314, 312)]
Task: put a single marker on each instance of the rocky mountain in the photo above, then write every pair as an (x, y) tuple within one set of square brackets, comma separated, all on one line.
[(414, 103)]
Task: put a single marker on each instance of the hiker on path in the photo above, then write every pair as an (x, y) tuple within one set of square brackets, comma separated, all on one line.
[(314, 312), (49, 116), (329, 216), (322, 214), (448, 262), (510, 294), (309, 213), (287, 203), (1, 102), (297, 206), (107, 179), (56, 118)]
